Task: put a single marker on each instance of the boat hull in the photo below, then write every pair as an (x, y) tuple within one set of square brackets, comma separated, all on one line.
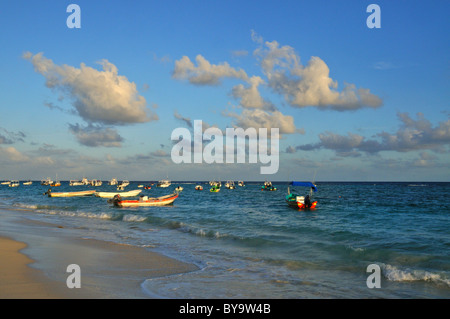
[(300, 205), (70, 194), (159, 201), (122, 194)]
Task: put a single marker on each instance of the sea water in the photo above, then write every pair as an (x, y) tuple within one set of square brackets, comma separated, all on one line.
[(248, 243)]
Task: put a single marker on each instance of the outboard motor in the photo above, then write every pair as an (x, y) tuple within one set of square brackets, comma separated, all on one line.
[(116, 199)]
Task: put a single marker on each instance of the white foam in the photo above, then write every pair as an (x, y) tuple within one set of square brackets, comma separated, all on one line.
[(393, 273)]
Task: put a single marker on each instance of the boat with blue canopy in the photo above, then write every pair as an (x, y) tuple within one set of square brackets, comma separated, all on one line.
[(293, 199)]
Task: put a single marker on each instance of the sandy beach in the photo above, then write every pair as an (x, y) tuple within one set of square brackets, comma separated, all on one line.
[(34, 257)]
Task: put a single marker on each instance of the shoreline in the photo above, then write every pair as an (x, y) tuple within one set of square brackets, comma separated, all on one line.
[(34, 257)]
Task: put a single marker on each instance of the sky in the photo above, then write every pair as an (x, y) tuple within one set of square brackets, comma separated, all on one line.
[(102, 100)]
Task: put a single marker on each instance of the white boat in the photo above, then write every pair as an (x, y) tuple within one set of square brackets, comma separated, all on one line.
[(46, 181), (199, 187), (179, 189), (122, 194), (164, 183), (113, 182), (6, 183), (75, 183), (85, 181), (230, 185), (68, 194), (241, 183), (27, 183), (96, 182), (14, 184), (123, 183)]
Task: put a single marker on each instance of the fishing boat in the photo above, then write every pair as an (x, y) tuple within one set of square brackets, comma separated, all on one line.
[(145, 201), (215, 183), (113, 181), (96, 182), (6, 182), (46, 182), (241, 183), (215, 189), (164, 183), (14, 184), (121, 186), (199, 187), (122, 194), (230, 185), (68, 194), (268, 186), (55, 184), (27, 183), (75, 183), (179, 189), (293, 199), (123, 183)]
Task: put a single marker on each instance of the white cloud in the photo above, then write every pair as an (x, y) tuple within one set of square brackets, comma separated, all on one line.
[(258, 118), (205, 73), (98, 96), (250, 96), (309, 85)]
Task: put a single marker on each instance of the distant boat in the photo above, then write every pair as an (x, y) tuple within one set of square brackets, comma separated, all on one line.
[(268, 186), (75, 183), (241, 183), (123, 183), (46, 181), (14, 184), (68, 194), (215, 183), (199, 187), (6, 183), (55, 184), (164, 183), (179, 189), (122, 194), (85, 181), (230, 185), (113, 181), (27, 183), (293, 199), (96, 182), (215, 189), (121, 186), (145, 201)]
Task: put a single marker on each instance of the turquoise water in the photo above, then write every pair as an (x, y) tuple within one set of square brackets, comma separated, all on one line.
[(248, 243)]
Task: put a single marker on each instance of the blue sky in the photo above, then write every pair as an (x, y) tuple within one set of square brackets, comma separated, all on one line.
[(101, 101)]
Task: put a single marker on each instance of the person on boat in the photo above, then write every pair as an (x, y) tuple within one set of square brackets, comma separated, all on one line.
[(307, 201)]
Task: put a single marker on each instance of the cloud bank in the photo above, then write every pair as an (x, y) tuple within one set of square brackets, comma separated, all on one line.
[(413, 135)]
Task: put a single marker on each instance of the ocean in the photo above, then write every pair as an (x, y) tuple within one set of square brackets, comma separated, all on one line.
[(249, 244)]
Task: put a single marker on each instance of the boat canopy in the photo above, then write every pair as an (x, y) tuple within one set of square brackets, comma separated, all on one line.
[(307, 184)]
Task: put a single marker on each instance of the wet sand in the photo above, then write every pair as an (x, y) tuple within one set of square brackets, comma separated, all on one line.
[(34, 257)]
